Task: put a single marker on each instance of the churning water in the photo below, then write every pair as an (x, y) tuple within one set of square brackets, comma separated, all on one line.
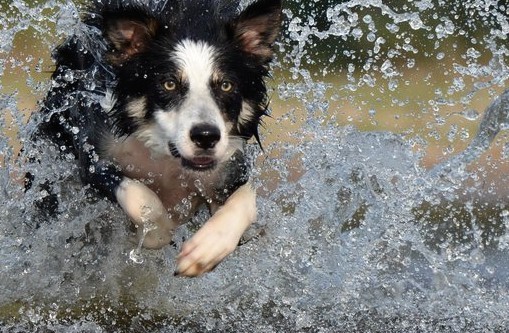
[(354, 233)]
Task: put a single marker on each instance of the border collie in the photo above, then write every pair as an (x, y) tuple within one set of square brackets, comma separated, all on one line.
[(156, 99)]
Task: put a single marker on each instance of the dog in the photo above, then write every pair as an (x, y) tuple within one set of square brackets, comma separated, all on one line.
[(156, 100)]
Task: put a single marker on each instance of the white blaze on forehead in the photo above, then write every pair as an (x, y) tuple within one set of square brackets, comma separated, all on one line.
[(196, 60)]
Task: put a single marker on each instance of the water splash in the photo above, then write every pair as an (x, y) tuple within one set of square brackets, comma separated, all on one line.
[(353, 232), (147, 225), (494, 120)]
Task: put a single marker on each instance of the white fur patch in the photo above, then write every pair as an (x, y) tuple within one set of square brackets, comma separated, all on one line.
[(246, 114), (196, 59), (137, 108)]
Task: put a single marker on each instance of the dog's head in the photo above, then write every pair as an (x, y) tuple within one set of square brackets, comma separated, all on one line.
[(191, 76)]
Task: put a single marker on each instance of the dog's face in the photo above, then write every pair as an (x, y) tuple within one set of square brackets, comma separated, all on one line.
[(191, 82)]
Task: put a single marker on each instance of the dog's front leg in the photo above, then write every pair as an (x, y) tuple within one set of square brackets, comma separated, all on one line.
[(147, 211), (220, 235)]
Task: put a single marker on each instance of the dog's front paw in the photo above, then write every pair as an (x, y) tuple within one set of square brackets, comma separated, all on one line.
[(207, 248), (220, 235)]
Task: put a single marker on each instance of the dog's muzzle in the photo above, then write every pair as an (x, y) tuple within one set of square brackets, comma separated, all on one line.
[(204, 137)]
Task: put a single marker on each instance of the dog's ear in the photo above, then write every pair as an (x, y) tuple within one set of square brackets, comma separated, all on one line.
[(257, 27), (128, 36)]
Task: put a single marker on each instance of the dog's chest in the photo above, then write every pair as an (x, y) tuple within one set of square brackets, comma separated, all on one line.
[(180, 191)]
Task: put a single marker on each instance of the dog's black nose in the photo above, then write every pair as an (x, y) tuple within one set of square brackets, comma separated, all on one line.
[(205, 136)]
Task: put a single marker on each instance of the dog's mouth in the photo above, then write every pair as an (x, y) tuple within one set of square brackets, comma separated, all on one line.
[(200, 163)]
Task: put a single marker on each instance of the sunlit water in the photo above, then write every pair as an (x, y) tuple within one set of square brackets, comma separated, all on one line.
[(353, 234)]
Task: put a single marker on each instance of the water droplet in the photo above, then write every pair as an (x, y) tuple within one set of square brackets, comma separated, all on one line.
[(393, 85), (367, 19), (470, 114), (464, 134), (473, 53), (136, 257), (416, 23), (394, 28), (69, 76)]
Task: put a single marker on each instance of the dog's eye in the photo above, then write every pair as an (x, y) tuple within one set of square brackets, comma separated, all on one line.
[(170, 85), (226, 86)]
